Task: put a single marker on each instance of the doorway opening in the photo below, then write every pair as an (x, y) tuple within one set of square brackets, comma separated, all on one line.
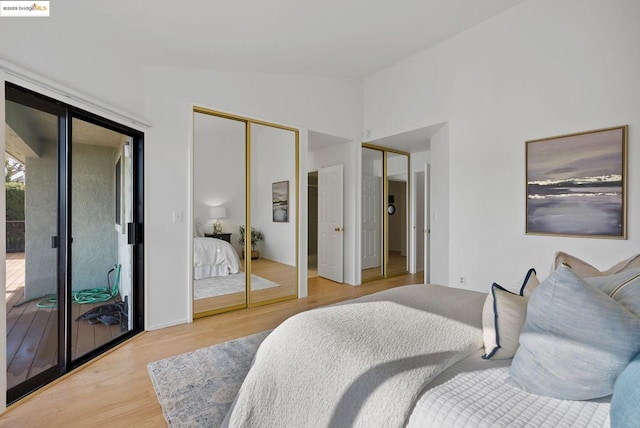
[(312, 240)]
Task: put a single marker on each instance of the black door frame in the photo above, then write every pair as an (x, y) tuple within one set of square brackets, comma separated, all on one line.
[(65, 114)]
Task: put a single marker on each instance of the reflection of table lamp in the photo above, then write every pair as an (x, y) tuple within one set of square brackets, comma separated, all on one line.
[(216, 214)]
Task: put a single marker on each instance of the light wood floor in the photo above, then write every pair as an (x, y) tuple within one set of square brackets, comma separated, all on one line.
[(397, 266), (116, 390), (282, 274)]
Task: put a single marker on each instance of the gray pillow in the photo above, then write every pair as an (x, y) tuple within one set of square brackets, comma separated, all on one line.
[(623, 287), (576, 340)]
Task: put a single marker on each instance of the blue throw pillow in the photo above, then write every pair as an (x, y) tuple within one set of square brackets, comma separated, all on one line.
[(625, 403), (576, 340)]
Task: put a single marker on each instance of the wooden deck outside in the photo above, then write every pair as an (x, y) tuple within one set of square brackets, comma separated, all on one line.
[(32, 331)]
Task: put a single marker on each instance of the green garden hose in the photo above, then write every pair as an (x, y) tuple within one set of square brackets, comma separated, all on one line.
[(89, 295)]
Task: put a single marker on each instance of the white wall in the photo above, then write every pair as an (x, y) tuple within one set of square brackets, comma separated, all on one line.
[(344, 154), (329, 105), (57, 51), (219, 173), (439, 207), (540, 69), (273, 160)]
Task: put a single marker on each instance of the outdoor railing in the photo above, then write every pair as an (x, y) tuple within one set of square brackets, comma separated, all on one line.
[(15, 236)]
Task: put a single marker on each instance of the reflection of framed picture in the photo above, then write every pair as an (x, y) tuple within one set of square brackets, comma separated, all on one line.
[(280, 201), (576, 184)]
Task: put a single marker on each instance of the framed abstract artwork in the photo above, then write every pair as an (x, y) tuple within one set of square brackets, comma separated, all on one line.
[(576, 184)]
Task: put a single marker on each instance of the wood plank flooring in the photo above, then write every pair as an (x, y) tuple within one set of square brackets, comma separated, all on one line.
[(282, 274), (32, 331), (397, 266), (116, 390)]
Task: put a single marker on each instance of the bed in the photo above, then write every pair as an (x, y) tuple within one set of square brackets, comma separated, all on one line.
[(425, 356), (213, 257)]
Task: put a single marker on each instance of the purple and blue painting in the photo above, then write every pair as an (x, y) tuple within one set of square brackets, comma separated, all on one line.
[(576, 184)]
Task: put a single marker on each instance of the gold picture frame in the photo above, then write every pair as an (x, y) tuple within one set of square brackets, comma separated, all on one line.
[(280, 201), (576, 184)]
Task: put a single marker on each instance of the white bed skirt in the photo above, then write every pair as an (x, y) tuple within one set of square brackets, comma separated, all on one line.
[(206, 271)]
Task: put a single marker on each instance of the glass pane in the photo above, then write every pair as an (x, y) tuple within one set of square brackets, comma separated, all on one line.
[(31, 176), (219, 207), (397, 213), (274, 222), (372, 224), (101, 204)]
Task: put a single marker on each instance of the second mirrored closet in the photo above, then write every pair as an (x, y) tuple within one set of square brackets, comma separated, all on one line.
[(245, 209), (385, 212)]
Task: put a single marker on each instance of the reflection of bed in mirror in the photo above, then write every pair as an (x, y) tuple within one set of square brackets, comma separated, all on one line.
[(218, 270), (213, 257)]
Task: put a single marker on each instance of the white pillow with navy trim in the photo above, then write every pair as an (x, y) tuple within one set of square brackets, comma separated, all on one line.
[(503, 316)]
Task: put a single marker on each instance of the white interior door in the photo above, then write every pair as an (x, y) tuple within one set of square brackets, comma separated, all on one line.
[(330, 225), (371, 221), (427, 223), (420, 236)]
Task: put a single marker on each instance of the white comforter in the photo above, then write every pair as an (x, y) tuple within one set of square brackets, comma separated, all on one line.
[(363, 363), (214, 257)]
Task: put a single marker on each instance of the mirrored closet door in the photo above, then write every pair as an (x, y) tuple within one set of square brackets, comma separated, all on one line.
[(219, 210), (385, 212), (274, 273), (372, 214), (245, 208), (397, 213)]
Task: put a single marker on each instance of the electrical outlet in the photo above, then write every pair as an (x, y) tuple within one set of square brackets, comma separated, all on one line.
[(462, 280)]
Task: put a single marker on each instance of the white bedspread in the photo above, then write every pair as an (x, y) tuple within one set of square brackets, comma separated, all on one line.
[(214, 257), (363, 363), (474, 394)]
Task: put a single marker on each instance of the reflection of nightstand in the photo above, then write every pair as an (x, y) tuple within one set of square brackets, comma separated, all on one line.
[(223, 236)]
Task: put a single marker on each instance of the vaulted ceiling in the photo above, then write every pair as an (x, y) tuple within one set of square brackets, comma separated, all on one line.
[(350, 38)]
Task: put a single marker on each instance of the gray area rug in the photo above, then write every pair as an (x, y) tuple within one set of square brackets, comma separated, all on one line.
[(219, 285), (196, 389)]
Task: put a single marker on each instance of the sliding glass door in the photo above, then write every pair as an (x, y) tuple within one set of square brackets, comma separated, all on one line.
[(74, 269), (31, 176)]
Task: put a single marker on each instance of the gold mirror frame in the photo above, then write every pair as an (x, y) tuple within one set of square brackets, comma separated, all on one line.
[(294, 213), (383, 208)]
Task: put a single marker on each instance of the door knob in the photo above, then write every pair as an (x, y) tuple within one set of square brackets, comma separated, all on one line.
[(338, 229)]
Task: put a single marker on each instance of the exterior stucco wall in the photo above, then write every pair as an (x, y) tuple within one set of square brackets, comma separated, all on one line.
[(95, 240)]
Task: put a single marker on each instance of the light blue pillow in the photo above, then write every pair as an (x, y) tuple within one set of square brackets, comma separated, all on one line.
[(576, 340), (623, 287), (625, 403)]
